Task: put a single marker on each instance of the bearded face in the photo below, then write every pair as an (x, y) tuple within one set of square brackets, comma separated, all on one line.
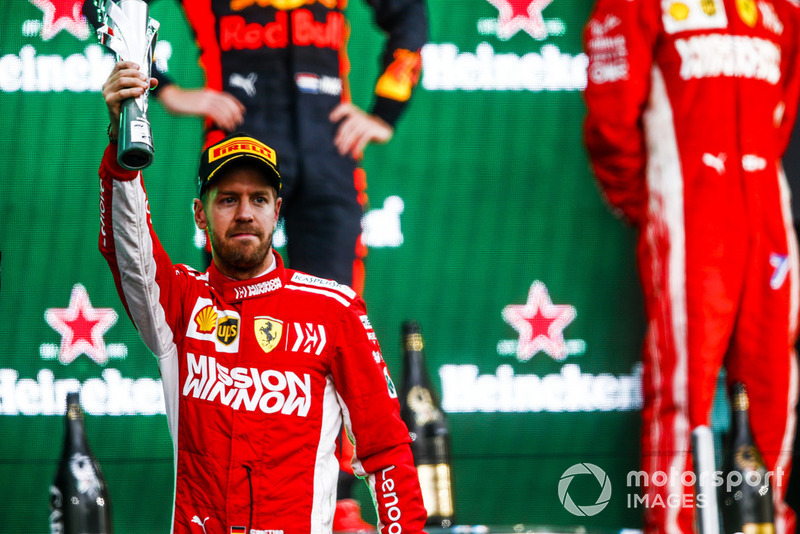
[(240, 213)]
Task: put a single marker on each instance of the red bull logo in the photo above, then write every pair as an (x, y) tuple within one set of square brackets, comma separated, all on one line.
[(237, 34)]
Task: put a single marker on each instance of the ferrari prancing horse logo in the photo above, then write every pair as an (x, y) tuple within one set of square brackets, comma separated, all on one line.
[(748, 12), (268, 332)]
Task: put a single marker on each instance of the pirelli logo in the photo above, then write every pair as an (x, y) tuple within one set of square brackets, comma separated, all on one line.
[(239, 145)]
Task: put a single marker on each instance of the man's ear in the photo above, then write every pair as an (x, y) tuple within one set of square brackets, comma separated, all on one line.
[(200, 219)]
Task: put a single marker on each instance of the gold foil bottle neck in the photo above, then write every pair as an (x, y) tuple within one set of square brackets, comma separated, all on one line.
[(414, 342), (74, 412), (741, 403)]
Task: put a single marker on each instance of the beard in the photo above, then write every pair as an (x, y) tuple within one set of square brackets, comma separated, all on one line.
[(238, 257)]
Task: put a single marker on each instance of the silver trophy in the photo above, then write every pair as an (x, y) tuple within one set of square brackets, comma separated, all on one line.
[(129, 31)]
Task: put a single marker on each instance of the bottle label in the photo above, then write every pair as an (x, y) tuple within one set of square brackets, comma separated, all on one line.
[(748, 458), (437, 494), (82, 468), (758, 528), (421, 403), (56, 514)]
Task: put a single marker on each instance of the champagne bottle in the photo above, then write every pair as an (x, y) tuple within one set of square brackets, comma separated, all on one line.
[(746, 493), (79, 502), (430, 445)]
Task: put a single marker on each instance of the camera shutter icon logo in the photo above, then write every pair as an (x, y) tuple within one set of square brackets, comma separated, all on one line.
[(602, 499)]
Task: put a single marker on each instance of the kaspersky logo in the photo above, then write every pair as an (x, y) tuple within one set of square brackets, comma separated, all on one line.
[(540, 326)]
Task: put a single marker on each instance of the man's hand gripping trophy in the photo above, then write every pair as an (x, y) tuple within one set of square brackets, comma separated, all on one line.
[(130, 33)]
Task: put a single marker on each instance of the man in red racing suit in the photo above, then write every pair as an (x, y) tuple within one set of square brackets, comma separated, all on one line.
[(260, 364), (690, 108)]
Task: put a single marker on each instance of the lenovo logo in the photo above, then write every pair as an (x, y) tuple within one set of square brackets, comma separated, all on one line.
[(390, 502)]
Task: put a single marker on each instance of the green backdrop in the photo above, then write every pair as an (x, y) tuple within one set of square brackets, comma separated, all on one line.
[(482, 209)]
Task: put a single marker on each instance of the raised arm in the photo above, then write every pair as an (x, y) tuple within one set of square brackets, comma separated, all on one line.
[(142, 270)]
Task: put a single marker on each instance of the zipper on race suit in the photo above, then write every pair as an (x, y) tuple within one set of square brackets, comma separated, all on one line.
[(249, 483)]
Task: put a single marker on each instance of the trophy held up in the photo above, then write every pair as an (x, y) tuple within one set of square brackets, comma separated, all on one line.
[(131, 34)]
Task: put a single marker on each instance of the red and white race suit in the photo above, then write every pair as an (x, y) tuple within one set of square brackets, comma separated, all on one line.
[(690, 107), (258, 376)]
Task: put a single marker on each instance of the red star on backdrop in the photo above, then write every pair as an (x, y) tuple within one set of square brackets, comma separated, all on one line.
[(540, 324), (62, 15), (516, 15), (81, 327)]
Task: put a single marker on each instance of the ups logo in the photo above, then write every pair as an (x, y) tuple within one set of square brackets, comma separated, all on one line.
[(227, 330), (709, 7)]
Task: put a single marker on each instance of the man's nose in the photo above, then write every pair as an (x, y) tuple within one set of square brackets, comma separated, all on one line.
[(245, 211)]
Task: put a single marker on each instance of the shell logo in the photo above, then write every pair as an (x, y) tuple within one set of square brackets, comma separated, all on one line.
[(679, 11), (206, 320)]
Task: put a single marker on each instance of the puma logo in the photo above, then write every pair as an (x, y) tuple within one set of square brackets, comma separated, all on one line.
[(202, 523), (781, 265), (715, 162), (248, 84)]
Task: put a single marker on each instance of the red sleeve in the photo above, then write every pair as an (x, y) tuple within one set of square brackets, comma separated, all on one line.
[(372, 417), (142, 271), (619, 40), (791, 74)]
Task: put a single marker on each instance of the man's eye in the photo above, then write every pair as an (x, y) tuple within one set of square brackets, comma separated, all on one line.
[(261, 200)]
